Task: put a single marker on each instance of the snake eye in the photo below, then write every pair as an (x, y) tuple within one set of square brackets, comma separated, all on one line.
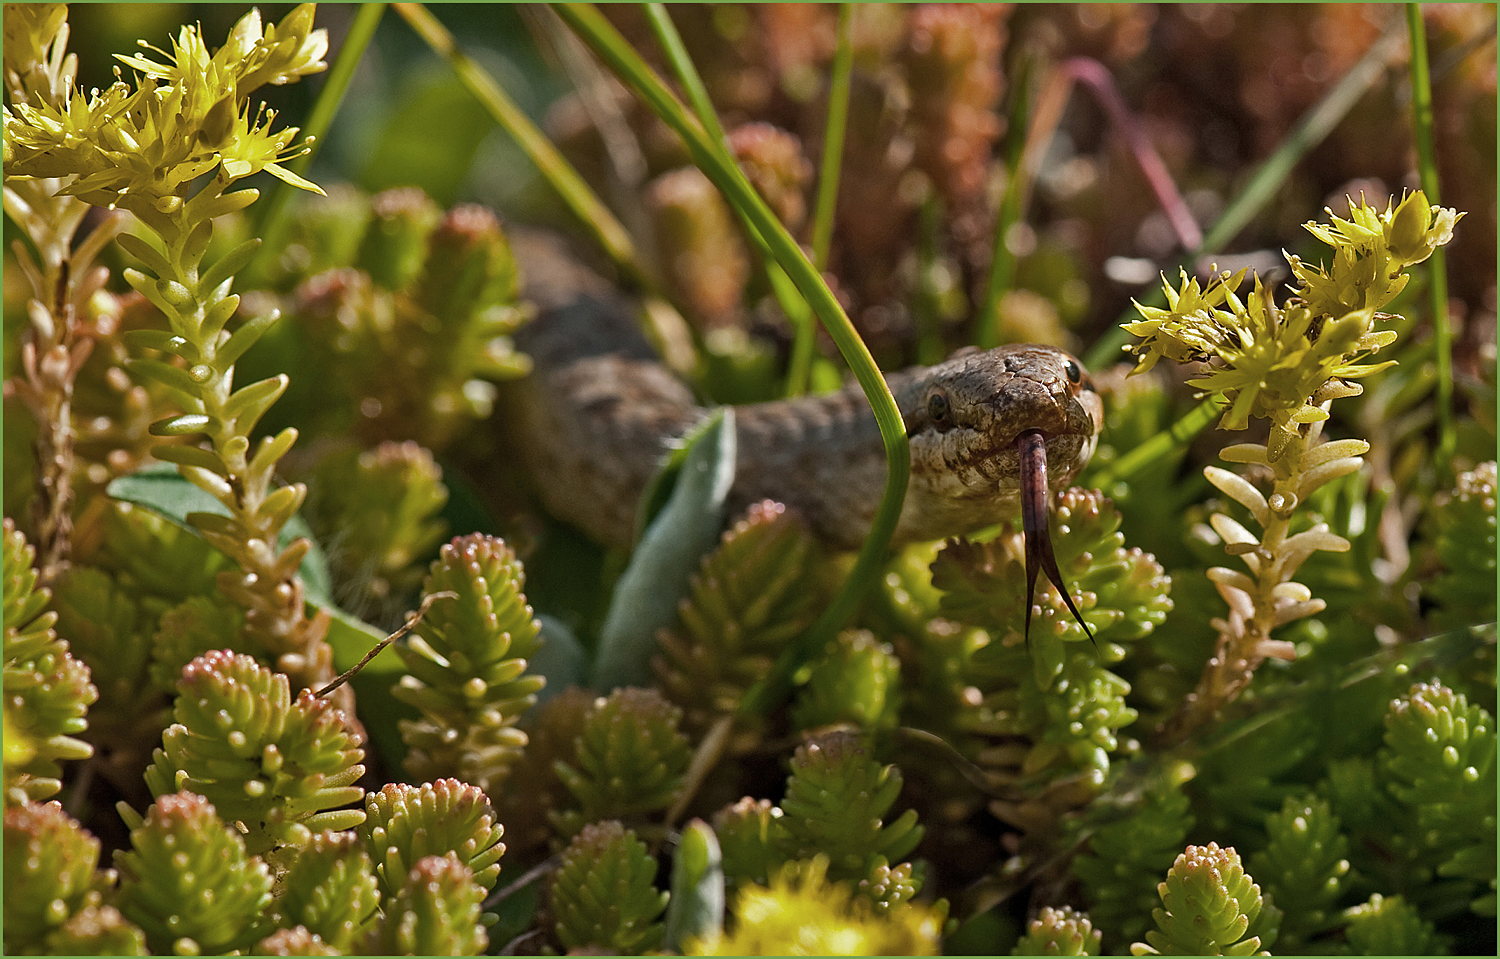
[(937, 409), (1075, 375)]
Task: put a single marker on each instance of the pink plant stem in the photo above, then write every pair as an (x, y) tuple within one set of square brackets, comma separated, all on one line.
[(1096, 77)]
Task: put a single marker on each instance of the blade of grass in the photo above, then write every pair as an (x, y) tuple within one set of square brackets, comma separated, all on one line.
[(687, 73), (606, 42), (804, 343), (558, 172), (1311, 130), (1177, 435), (1437, 268), (1003, 262), (791, 302), (273, 222), (833, 139)]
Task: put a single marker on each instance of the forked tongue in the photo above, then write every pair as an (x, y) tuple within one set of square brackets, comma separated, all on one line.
[(1032, 449)]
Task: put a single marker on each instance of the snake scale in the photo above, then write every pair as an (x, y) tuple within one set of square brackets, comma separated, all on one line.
[(990, 430)]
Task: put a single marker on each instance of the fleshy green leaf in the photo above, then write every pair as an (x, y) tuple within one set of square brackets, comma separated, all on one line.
[(697, 905), (646, 597)]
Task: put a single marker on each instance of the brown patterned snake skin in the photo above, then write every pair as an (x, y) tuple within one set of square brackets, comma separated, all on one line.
[(599, 411)]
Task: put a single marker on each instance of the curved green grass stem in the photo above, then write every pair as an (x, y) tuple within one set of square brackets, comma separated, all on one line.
[(1437, 270), (607, 231), (1178, 435), (720, 167), (273, 216)]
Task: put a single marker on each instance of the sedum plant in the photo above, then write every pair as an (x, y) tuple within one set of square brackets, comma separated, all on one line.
[(52, 876), (926, 753), (1210, 905), (1059, 698), (436, 912), (836, 800), (1305, 867), (803, 912), (629, 761), (330, 891), (141, 148), (858, 682), (404, 825), (834, 810), (401, 315), (603, 893), (466, 665), (47, 691), (1285, 364), (1465, 544), (1059, 932), (41, 74), (1439, 761), (379, 510), (750, 596), (189, 882), (1390, 925), (1124, 857), (274, 766)]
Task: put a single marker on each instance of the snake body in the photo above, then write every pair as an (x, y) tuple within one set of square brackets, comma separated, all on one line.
[(599, 412)]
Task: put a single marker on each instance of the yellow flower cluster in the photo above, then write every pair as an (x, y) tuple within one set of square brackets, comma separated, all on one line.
[(141, 146), (803, 914), (1282, 362), (1371, 252)]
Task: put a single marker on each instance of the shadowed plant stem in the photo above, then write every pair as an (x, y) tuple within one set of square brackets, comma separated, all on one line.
[(1437, 268), (1003, 261), (833, 139), (804, 345), (1096, 78), (273, 219), (575, 193), (798, 313)]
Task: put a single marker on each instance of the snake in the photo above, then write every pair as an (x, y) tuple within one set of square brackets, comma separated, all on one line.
[(992, 432)]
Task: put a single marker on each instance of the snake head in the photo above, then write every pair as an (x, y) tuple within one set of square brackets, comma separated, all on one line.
[(994, 429), (965, 417)]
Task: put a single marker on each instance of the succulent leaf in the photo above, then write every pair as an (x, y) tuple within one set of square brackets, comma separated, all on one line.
[(1209, 905), (802, 911), (47, 691), (630, 761), (751, 597), (405, 824), (50, 874), (329, 891), (466, 664), (1059, 932), (437, 912), (603, 893), (836, 799), (276, 766), (188, 881)]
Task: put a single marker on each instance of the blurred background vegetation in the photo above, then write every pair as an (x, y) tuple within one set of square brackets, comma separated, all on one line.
[(1215, 89)]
